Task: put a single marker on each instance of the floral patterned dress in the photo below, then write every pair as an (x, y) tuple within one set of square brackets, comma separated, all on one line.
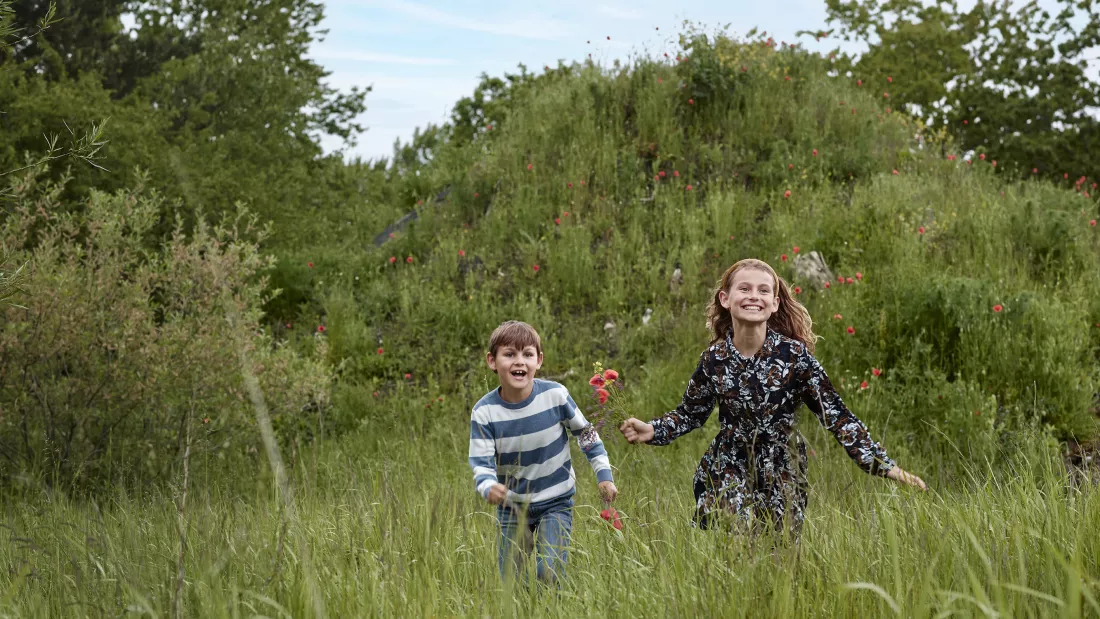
[(749, 472)]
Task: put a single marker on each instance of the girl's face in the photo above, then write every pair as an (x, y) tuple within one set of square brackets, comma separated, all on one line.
[(751, 297)]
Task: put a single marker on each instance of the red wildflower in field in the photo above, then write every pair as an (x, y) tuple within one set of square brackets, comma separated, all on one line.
[(966, 122), (840, 278), (557, 220), (787, 78), (876, 371), (885, 95), (787, 194), (609, 514), (851, 330), (676, 173), (602, 395), (688, 188), (795, 249), (982, 156), (783, 257), (569, 185), (921, 229), (969, 161), (309, 264), (380, 350), (997, 308), (565, 214), (951, 157), (895, 172), (582, 183), (375, 394), (1034, 170), (597, 380), (661, 173), (790, 166), (392, 235), (528, 166), (859, 276), (994, 163), (797, 290), (409, 260), (1065, 175), (863, 385), (815, 152), (1092, 222), (837, 317), (691, 101), (743, 69), (889, 79), (849, 280), (408, 375), (610, 376), (288, 325), (859, 82), (731, 237), (828, 285), (320, 328), (535, 267), (475, 194), (393, 259)]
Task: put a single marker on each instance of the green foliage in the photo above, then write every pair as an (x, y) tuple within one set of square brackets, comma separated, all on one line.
[(1003, 78), (120, 350)]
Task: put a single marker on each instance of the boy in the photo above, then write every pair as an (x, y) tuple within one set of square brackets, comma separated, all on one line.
[(519, 453)]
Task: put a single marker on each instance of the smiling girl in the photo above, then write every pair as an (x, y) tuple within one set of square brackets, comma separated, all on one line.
[(759, 368)]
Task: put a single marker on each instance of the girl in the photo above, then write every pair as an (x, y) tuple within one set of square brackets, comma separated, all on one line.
[(759, 367)]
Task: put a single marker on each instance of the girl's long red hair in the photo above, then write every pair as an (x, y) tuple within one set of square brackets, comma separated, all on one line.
[(791, 319)]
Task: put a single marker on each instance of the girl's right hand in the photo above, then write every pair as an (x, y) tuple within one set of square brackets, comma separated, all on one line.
[(636, 431)]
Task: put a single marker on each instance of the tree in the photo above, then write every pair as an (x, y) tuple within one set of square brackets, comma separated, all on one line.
[(1009, 81)]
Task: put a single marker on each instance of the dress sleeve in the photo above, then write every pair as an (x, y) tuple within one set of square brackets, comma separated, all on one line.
[(694, 409), (820, 397)]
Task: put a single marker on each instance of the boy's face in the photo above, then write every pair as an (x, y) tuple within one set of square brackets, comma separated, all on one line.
[(516, 368)]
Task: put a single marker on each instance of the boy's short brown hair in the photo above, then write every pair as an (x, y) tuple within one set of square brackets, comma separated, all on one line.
[(516, 334)]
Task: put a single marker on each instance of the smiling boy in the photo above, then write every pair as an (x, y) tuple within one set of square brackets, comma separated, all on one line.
[(519, 453)]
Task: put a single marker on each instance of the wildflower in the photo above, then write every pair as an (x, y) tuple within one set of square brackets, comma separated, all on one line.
[(380, 351), (1034, 170), (602, 395), (828, 285), (895, 172), (744, 70), (660, 81), (889, 79), (1092, 222), (393, 259), (783, 257), (982, 156), (840, 278), (375, 394), (475, 194), (849, 280), (859, 82), (851, 330), (392, 235), (837, 317), (994, 163), (535, 267), (787, 194), (859, 275), (853, 110), (921, 229), (661, 174), (795, 249), (691, 101), (997, 308), (557, 220), (206, 420), (951, 157), (863, 385), (676, 173), (408, 375), (597, 380), (528, 166), (688, 188), (610, 376), (885, 95), (309, 264), (815, 152), (790, 166), (876, 371), (569, 185), (565, 214), (320, 328), (966, 122), (288, 325), (797, 290), (787, 78), (409, 260)]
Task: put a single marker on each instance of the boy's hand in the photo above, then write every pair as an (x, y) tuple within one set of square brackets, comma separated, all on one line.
[(497, 494), (608, 491), (636, 431), (906, 478)]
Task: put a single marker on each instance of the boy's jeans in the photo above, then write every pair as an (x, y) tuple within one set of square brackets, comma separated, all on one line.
[(546, 527)]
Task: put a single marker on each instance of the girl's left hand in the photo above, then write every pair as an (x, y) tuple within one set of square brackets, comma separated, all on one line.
[(608, 491), (906, 478)]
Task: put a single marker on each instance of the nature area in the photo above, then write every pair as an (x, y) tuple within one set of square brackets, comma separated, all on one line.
[(237, 373)]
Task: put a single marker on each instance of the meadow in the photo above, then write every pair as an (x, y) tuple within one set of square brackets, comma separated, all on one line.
[(960, 318)]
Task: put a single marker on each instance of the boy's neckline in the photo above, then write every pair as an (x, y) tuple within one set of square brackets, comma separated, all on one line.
[(499, 393)]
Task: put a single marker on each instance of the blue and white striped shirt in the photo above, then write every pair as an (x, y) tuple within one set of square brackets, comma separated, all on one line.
[(524, 445)]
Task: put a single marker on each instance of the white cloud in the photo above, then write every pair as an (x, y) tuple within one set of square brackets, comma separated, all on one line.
[(526, 27), (332, 54)]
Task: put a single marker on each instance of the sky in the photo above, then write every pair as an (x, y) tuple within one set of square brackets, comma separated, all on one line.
[(421, 56)]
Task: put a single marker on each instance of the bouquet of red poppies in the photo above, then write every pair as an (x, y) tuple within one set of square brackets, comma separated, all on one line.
[(607, 390)]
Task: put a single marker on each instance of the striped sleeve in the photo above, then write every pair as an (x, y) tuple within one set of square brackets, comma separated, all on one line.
[(595, 452), (482, 453)]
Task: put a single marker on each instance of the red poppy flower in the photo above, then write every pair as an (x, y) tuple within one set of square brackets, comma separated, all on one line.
[(815, 152), (676, 173), (661, 173), (565, 214), (790, 166), (795, 249), (475, 194), (997, 308), (610, 376), (582, 183), (1065, 175), (876, 371), (787, 78), (966, 122), (1034, 170), (409, 259), (660, 81), (828, 285), (859, 275), (994, 163), (691, 101), (977, 413), (320, 328), (375, 394), (951, 157), (309, 264), (569, 185), (863, 385), (1092, 222), (982, 156), (391, 235), (921, 229), (895, 172), (797, 290), (837, 317), (849, 280), (743, 69), (535, 267), (206, 420), (528, 166), (597, 380), (688, 188), (602, 395), (380, 351), (840, 278), (656, 178), (885, 95), (288, 325), (408, 376), (787, 194), (783, 257), (851, 330), (557, 220), (859, 82)]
